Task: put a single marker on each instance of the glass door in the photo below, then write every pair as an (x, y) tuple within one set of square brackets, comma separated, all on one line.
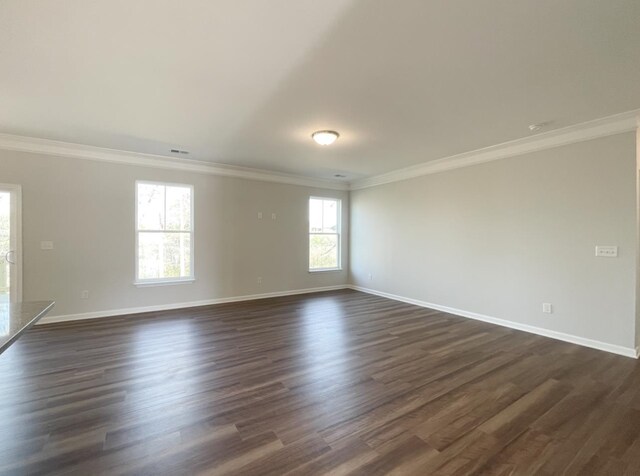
[(10, 249)]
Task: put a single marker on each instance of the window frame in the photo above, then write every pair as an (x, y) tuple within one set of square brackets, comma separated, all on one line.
[(164, 281), (338, 233)]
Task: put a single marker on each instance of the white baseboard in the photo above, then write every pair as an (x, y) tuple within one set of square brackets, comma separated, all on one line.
[(594, 344), (182, 305)]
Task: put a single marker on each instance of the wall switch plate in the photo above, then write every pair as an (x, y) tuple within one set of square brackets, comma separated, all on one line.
[(370, 276), (85, 295), (547, 308), (273, 216), (46, 245), (259, 215), (259, 281), (606, 251)]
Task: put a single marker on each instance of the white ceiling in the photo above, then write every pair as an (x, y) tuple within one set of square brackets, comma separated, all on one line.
[(245, 82)]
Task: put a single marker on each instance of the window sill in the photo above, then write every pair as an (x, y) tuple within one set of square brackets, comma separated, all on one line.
[(148, 284), (324, 270)]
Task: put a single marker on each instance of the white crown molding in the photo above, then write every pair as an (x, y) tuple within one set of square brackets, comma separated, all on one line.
[(606, 126), (87, 152), (616, 124), (583, 341)]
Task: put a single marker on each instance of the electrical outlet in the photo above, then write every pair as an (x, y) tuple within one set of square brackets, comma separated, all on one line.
[(259, 281), (273, 216), (46, 245), (85, 295), (547, 308), (370, 276), (259, 215)]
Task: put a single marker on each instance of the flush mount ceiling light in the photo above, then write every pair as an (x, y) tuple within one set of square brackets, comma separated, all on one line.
[(325, 137)]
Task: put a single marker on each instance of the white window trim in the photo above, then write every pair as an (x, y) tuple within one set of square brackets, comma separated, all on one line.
[(164, 281), (339, 233)]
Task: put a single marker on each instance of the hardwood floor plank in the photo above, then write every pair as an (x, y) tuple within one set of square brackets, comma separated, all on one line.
[(330, 383)]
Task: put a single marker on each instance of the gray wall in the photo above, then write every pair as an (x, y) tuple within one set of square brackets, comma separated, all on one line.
[(87, 209), (501, 238)]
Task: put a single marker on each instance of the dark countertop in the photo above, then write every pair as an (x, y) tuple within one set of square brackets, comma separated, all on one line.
[(16, 318)]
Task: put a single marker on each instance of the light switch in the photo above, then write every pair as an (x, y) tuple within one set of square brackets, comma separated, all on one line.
[(46, 245), (606, 251)]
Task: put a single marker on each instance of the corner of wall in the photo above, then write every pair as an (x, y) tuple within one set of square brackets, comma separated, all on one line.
[(637, 323)]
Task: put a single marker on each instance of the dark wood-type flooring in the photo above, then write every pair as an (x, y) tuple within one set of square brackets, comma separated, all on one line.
[(329, 383)]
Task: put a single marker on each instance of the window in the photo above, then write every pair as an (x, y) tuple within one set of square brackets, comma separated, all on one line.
[(164, 233), (324, 234)]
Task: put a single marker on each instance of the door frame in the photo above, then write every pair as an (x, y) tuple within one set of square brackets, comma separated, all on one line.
[(16, 237)]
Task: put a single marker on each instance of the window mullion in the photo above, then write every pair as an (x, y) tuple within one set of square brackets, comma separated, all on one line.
[(164, 231)]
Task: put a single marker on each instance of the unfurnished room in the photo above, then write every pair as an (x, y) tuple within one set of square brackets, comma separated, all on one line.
[(302, 237)]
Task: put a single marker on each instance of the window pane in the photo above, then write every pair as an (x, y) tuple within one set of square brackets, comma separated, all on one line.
[(323, 251), (164, 255), (330, 216), (150, 206), (315, 215), (178, 208)]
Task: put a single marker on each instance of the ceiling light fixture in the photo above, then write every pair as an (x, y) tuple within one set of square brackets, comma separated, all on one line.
[(325, 137)]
